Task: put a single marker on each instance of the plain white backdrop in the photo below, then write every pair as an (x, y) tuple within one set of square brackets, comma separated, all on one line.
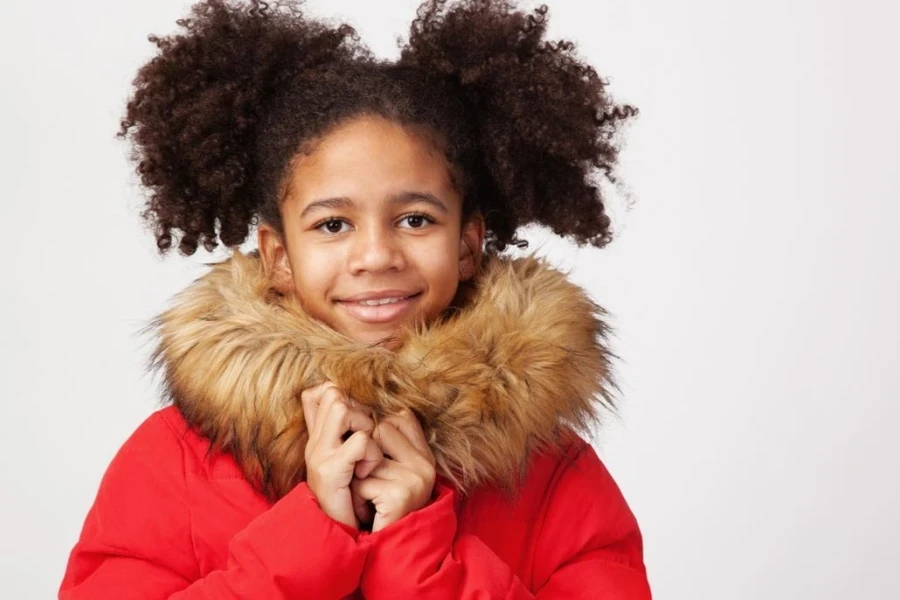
[(755, 283)]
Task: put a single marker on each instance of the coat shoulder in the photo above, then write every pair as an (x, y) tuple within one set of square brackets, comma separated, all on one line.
[(586, 512), (583, 480), (166, 442), (201, 460), (156, 444)]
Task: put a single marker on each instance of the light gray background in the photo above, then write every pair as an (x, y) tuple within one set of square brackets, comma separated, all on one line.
[(754, 283)]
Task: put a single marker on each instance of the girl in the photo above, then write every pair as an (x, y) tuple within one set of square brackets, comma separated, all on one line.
[(375, 402)]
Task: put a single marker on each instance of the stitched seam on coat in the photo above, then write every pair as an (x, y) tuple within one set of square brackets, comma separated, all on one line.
[(564, 462), (180, 441)]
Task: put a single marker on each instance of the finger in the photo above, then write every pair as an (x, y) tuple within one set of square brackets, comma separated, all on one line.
[(343, 460), (342, 419), (395, 444), (309, 399), (389, 470), (409, 425), (364, 423), (335, 417), (333, 421), (364, 509), (370, 462), (328, 395), (323, 398), (370, 489)]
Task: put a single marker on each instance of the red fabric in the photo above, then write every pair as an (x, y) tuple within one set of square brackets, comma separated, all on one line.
[(173, 521)]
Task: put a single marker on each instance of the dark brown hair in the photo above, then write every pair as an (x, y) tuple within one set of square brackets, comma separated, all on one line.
[(217, 115)]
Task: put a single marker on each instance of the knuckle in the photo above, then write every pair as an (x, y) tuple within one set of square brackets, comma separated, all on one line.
[(332, 389), (397, 495), (327, 396), (340, 409), (311, 393), (428, 460), (364, 423)]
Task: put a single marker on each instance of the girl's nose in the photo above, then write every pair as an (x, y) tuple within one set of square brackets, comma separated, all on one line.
[(376, 250)]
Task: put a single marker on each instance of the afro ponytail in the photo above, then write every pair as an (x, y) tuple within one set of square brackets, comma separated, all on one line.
[(545, 123), (194, 112)]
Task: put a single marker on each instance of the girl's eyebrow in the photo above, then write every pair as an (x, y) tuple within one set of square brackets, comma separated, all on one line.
[(404, 198), (401, 198)]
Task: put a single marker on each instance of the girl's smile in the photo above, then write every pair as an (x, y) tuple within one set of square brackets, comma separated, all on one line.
[(380, 307)]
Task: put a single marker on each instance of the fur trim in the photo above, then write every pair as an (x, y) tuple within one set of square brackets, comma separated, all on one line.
[(523, 359)]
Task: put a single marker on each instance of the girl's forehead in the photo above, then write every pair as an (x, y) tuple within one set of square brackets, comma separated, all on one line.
[(370, 158), (371, 138)]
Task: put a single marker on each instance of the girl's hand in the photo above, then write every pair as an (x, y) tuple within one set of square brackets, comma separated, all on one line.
[(331, 462), (404, 480)]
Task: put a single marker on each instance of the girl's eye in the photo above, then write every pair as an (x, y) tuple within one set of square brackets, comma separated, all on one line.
[(417, 220), (331, 226), (335, 225)]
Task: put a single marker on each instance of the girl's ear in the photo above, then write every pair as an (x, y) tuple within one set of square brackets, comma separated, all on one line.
[(471, 246), (275, 259)]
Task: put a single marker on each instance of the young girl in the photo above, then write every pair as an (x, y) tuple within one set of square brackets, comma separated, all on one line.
[(376, 402)]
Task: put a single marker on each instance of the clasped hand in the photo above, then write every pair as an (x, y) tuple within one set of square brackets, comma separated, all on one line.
[(389, 465)]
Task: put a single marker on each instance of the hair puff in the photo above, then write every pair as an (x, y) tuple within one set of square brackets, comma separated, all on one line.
[(194, 112), (545, 122)]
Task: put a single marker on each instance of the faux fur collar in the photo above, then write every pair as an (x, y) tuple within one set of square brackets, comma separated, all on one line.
[(522, 360)]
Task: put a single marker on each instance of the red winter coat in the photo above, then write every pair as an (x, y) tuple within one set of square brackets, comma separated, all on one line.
[(170, 522), (177, 516)]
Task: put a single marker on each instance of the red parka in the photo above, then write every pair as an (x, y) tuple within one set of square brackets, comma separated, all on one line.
[(171, 522), (179, 514)]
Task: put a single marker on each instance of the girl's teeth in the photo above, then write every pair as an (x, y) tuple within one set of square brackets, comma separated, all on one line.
[(380, 302)]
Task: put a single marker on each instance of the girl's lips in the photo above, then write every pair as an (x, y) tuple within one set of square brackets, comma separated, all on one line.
[(384, 313)]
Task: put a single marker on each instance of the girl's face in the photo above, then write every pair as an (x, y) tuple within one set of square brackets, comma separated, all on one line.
[(372, 234)]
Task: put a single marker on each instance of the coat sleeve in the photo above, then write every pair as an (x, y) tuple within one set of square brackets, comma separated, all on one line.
[(136, 541), (588, 546)]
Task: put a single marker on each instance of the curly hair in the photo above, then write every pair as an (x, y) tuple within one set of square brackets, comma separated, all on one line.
[(219, 113)]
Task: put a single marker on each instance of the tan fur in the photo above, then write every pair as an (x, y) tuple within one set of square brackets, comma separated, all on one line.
[(522, 360)]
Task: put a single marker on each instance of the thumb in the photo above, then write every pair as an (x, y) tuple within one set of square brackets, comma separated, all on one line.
[(353, 450), (372, 458), (364, 509)]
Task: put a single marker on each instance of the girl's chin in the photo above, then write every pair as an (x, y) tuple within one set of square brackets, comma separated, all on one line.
[(371, 334), (387, 338)]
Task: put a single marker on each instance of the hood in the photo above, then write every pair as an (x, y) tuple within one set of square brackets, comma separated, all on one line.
[(520, 362)]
